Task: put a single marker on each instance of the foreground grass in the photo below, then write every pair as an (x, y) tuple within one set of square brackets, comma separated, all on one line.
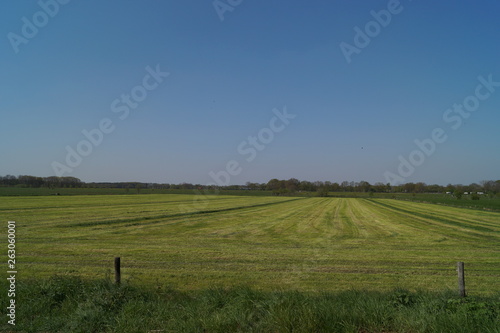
[(69, 304)]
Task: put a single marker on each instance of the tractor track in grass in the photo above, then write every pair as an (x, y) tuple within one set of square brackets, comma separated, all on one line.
[(153, 219), (473, 232), (349, 228), (439, 217), (482, 219), (99, 205), (376, 221)]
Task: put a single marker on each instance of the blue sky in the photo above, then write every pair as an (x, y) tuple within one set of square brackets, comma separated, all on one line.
[(353, 120)]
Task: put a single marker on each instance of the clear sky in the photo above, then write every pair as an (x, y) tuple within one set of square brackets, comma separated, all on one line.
[(355, 84)]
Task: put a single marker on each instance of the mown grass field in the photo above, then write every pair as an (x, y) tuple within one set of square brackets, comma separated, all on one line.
[(486, 202), (266, 243)]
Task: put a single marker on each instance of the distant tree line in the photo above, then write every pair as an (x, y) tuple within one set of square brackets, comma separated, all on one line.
[(276, 186), (293, 185), (32, 181)]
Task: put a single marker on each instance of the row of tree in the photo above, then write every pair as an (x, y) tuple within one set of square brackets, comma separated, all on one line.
[(32, 181), (277, 186), (293, 185)]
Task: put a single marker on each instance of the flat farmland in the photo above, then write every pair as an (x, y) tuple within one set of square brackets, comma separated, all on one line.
[(307, 244)]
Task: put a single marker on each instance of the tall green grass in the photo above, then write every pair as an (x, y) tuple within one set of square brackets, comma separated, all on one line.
[(69, 304)]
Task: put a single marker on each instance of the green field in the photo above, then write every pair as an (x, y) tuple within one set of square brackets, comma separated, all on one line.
[(267, 243), (486, 202)]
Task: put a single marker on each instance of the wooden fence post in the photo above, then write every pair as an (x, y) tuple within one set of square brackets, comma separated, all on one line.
[(461, 278), (117, 270)]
